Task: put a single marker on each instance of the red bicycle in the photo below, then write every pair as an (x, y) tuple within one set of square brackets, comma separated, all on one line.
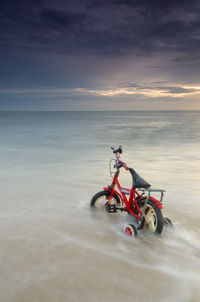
[(145, 208)]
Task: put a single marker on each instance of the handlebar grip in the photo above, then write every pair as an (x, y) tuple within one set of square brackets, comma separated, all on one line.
[(117, 150)]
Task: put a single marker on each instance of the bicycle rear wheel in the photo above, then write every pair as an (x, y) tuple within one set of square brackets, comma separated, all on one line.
[(153, 218)]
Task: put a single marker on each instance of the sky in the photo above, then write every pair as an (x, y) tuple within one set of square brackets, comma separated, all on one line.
[(100, 55)]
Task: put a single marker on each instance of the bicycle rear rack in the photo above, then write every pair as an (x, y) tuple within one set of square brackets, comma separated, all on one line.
[(149, 193), (152, 190)]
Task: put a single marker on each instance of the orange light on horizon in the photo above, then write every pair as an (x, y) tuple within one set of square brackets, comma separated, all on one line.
[(151, 92)]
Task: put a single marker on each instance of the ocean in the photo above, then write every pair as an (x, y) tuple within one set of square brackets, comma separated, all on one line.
[(54, 248)]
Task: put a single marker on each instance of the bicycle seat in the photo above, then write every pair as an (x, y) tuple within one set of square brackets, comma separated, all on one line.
[(138, 181)]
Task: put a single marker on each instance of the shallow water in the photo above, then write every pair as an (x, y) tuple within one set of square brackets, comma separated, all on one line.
[(54, 248)]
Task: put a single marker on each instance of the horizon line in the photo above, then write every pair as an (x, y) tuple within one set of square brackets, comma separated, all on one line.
[(21, 110)]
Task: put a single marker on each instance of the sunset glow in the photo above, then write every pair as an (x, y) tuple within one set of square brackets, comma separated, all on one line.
[(154, 93)]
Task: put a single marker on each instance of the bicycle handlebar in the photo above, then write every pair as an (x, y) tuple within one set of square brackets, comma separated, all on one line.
[(118, 150), (119, 162)]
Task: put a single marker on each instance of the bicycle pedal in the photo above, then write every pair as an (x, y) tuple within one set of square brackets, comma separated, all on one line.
[(111, 208)]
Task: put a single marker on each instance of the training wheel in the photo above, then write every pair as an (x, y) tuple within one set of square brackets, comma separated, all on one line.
[(130, 230), (167, 222)]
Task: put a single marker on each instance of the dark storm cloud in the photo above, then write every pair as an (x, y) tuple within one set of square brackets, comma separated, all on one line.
[(106, 27), (59, 18), (155, 6)]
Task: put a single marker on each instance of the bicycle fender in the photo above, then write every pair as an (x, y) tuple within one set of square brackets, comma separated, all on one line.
[(156, 201), (109, 189)]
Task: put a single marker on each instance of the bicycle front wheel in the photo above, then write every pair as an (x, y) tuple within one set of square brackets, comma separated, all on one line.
[(101, 199)]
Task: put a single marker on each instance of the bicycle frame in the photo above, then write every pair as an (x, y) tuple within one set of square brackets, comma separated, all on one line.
[(127, 202), (131, 204)]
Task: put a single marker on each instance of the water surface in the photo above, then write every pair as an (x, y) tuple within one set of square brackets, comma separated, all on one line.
[(53, 248)]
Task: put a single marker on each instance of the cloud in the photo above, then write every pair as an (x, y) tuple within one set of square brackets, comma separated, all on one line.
[(59, 18), (102, 27), (151, 92), (178, 91)]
